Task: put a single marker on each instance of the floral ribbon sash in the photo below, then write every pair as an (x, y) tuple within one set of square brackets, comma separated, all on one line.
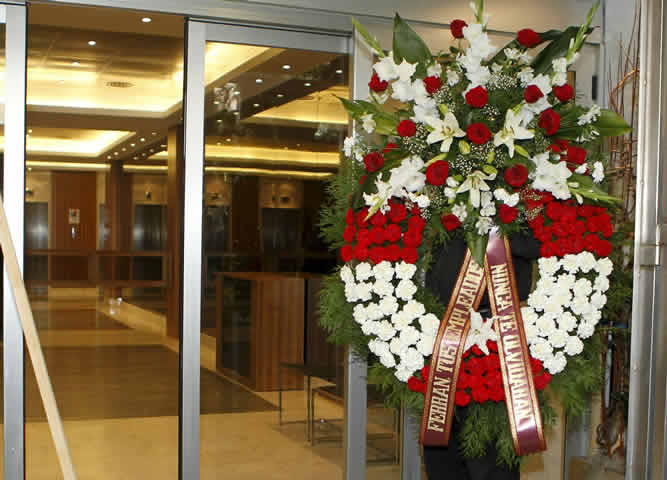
[(520, 398)]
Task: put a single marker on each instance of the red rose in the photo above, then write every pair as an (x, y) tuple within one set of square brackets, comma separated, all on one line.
[(389, 147), (450, 222), (415, 385), (480, 395), (554, 211), (547, 250), (364, 237), (543, 234), (507, 213), (409, 254), (591, 242), (349, 218), (497, 394), (575, 244), (492, 363), (373, 161), (477, 97), (569, 214), (561, 247), (361, 217), (576, 155), (349, 233), (361, 252), (536, 222), (463, 381), (432, 84), (406, 128), (378, 219), (528, 38), (532, 93), (607, 230), (392, 233), (603, 248), (516, 175), (535, 365), (461, 398), (585, 210), (477, 351), (542, 380), (393, 252), (456, 27), (593, 224), (550, 121), (416, 223), (377, 255), (564, 92), (376, 84), (492, 346), (377, 235), (560, 229), (412, 238), (347, 253), (476, 367), (436, 173), (397, 212), (478, 133)]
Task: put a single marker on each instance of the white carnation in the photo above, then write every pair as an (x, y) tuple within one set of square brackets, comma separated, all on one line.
[(409, 336), (364, 271), (405, 271), (389, 306), (592, 317), (429, 324), (346, 274), (585, 330), (558, 338), (351, 292), (556, 363), (401, 320), (373, 311), (383, 271), (531, 332), (567, 322), (397, 347), (426, 344), (528, 315), (582, 287), (565, 281), (405, 290), (537, 300), (360, 315), (385, 330), (604, 266), (370, 328), (587, 262), (413, 359), (363, 291), (601, 284), (383, 288), (403, 373), (545, 325), (570, 263), (548, 266), (562, 297), (598, 300), (580, 305), (574, 346), (414, 309), (541, 349)]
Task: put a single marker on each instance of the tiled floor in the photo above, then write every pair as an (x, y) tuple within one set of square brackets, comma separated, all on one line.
[(117, 389)]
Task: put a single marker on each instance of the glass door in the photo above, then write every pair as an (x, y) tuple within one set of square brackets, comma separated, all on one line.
[(264, 129)]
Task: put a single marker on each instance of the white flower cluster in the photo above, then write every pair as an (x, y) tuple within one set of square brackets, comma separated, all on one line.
[(480, 48), (405, 181), (551, 177), (590, 116), (565, 307), (402, 332), (353, 148)]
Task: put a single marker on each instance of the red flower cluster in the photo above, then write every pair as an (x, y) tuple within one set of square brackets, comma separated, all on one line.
[(574, 156), (437, 172), (549, 120), (376, 85), (565, 228), (481, 380), (456, 27), (564, 93), (478, 133), (528, 38), (406, 128), (373, 161), (432, 84), (477, 97), (392, 236)]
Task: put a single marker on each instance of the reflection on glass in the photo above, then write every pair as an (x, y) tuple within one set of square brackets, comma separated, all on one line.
[(104, 93)]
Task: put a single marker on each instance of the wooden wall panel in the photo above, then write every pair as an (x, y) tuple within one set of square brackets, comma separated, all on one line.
[(245, 210)]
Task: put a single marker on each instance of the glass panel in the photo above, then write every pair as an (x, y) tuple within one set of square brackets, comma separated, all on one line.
[(274, 130), (2, 149), (104, 91)]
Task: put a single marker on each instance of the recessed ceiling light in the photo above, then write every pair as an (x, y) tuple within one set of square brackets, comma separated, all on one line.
[(229, 139), (280, 95), (154, 133), (30, 130), (163, 146), (75, 64), (108, 157), (135, 157), (237, 92), (115, 153), (219, 120), (147, 19), (133, 144), (152, 150), (219, 143), (30, 169), (216, 102), (258, 80), (339, 71), (143, 154), (142, 139), (255, 105), (287, 67), (298, 144), (307, 84), (92, 43), (124, 149)]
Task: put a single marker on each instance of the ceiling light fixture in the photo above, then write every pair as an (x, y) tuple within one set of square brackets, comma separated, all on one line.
[(142, 139), (229, 139), (216, 102), (92, 43), (30, 130), (258, 80), (163, 146), (280, 95), (339, 71), (255, 105), (147, 19), (287, 67), (124, 149), (75, 64), (133, 144), (219, 120), (307, 84), (154, 133), (115, 153)]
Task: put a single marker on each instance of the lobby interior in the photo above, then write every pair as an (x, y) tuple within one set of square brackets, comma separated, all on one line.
[(103, 231)]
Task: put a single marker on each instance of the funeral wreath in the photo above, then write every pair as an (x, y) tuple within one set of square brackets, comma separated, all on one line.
[(480, 143)]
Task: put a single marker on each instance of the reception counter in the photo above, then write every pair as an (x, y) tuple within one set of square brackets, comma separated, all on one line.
[(260, 323)]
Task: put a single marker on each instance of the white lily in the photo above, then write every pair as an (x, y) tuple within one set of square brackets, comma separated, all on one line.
[(475, 183), (368, 123), (512, 130), (444, 130), (480, 332)]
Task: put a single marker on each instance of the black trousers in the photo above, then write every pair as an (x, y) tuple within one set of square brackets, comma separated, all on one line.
[(447, 463)]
